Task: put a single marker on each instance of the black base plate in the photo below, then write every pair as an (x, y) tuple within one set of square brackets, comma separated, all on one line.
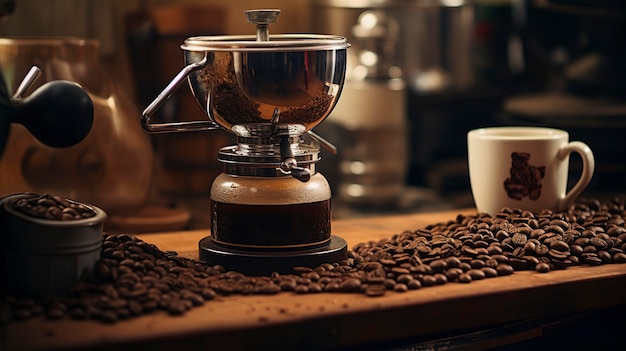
[(267, 261)]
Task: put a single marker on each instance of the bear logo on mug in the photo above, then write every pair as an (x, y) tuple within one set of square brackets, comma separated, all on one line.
[(525, 179)]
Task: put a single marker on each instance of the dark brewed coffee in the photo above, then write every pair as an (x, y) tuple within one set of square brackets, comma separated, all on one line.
[(271, 226)]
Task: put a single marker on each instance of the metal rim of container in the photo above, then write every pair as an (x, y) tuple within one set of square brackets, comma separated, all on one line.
[(278, 42)]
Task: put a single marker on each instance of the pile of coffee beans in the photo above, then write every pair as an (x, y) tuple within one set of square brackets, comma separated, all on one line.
[(134, 277), (52, 207), (481, 246)]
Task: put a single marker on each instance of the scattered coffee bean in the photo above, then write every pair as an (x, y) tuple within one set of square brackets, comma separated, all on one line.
[(489, 272), (400, 287), (465, 278), (542, 267), (375, 290)]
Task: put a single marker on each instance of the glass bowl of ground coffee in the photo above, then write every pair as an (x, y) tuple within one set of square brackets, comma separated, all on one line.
[(48, 243)]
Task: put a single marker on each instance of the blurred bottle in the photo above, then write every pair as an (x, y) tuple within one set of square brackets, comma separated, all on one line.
[(112, 167), (369, 123), (371, 136)]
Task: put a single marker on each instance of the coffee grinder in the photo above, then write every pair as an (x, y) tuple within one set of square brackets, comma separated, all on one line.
[(270, 209)]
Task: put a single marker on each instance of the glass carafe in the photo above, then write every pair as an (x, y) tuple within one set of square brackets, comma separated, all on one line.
[(112, 167)]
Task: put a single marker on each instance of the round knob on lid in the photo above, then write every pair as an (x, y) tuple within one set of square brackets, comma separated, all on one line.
[(262, 19)]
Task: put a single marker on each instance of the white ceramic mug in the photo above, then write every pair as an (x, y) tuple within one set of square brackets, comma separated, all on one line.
[(524, 167)]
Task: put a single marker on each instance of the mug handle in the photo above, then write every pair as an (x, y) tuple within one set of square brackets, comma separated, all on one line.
[(589, 166)]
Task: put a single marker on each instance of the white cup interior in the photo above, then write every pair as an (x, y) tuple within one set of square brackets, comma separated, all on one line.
[(518, 133)]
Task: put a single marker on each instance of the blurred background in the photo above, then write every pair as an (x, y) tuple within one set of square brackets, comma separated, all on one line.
[(421, 74)]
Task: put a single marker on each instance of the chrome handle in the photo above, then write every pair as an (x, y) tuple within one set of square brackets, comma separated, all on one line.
[(289, 165), (174, 127)]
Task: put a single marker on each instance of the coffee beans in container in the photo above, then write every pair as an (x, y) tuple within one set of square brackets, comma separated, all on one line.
[(133, 277), (49, 242), (52, 207)]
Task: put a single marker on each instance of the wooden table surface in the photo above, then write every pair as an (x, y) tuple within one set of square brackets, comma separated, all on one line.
[(338, 320)]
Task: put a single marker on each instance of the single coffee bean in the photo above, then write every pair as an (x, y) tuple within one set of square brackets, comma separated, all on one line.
[(453, 274), (504, 270), (593, 260), (590, 249), (404, 278), (576, 250), (558, 255), (465, 278), (400, 270), (542, 267), (605, 256), (477, 264), (619, 257), (429, 280), (414, 284), (530, 247), (494, 250), (584, 241), (440, 278), (465, 266), (489, 272), (598, 243), (176, 307), (375, 290), (476, 274), (519, 239), (541, 250), (400, 287), (301, 289), (560, 246), (350, 285), (438, 266)]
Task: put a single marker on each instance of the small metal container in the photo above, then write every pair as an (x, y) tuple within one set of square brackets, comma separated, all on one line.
[(44, 257)]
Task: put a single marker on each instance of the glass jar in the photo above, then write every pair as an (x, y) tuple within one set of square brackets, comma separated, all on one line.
[(112, 167), (270, 212)]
